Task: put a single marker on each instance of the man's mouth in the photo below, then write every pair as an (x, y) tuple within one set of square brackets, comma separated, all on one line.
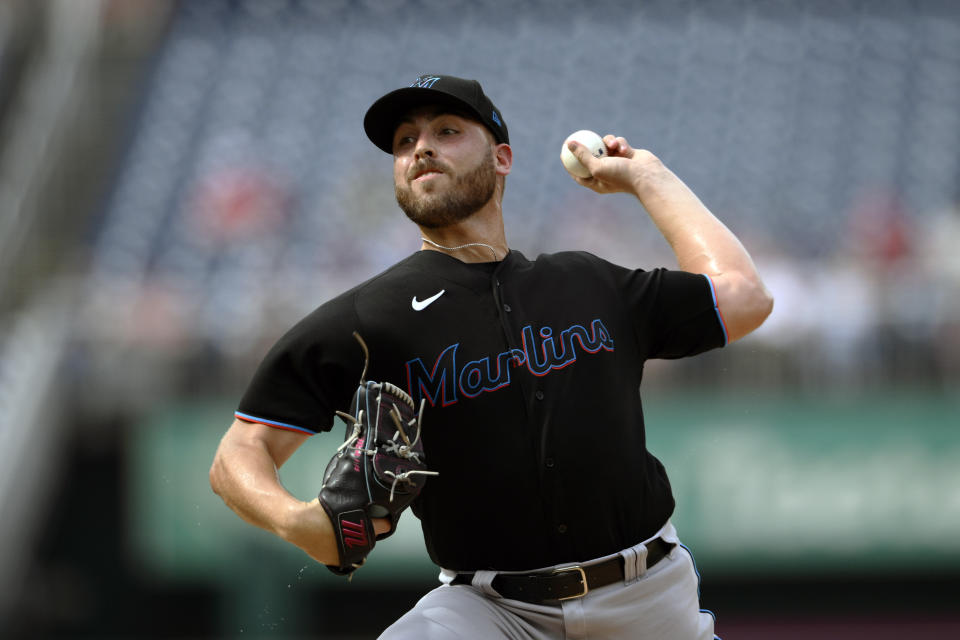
[(425, 173)]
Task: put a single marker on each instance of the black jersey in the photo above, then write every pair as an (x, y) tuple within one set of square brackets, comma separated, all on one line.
[(530, 371)]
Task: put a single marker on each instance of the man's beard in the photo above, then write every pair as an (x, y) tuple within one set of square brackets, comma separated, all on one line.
[(461, 200)]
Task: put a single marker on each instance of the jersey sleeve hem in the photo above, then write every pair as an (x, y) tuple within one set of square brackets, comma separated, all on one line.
[(273, 423), (716, 308)]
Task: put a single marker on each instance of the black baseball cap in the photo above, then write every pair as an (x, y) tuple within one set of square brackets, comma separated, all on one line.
[(384, 115)]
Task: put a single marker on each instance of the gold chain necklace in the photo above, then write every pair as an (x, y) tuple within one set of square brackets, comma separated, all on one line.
[(463, 246)]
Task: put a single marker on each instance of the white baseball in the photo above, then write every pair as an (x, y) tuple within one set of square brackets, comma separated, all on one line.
[(591, 141)]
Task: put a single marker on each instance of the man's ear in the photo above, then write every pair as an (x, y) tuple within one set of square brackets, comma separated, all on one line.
[(503, 157)]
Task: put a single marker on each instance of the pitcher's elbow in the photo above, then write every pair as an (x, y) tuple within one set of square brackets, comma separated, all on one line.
[(751, 308), (761, 306)]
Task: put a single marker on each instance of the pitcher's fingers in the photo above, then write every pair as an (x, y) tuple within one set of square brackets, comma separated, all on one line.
[(381, 525), (618, 146)]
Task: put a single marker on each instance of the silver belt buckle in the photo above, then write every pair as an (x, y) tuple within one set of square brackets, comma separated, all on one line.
[(583, 580)]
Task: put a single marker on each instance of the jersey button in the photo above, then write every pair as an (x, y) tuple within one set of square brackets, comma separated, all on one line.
[(507, 308), (561, 528), (538, 395), (549, 462)]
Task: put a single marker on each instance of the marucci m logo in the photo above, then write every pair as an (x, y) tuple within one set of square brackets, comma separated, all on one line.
[(354, 533), (445, 382)]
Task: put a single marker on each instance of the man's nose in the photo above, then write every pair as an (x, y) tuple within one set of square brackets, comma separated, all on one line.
[(424, 148)]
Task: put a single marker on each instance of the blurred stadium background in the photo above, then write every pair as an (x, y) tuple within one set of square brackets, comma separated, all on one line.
[(180, 181)]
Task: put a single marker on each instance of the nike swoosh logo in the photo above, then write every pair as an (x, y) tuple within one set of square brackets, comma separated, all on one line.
[(419, 305)]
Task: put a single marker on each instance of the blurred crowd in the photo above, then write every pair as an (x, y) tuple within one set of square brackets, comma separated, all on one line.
[(883, 309)]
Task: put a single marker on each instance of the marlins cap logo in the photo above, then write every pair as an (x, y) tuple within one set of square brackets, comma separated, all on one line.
[(425, 82)]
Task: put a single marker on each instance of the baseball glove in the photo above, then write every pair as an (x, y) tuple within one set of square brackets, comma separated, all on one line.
[(377, 471)]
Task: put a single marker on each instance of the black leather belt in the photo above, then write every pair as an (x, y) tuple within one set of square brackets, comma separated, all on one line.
[(568, 582)]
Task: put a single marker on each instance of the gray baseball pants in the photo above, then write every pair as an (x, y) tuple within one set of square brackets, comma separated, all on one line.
[(660, 604)]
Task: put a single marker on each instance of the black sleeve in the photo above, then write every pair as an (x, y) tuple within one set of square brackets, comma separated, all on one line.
[(675, 313), (308, 374)]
